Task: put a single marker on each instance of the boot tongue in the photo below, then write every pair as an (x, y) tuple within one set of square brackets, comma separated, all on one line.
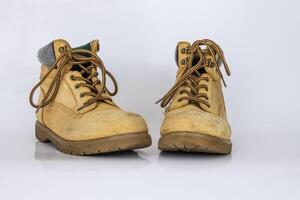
[(92, 46)]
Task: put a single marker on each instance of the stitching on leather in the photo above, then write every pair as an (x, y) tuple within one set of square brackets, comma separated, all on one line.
[(61, 107)]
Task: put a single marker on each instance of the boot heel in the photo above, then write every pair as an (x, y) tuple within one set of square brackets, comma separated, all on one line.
[(40, 132)]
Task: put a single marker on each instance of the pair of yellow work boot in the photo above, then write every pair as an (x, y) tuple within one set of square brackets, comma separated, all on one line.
[(76, 113)]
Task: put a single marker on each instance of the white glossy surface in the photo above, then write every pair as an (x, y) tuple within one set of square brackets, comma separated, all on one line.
[(137, 41)]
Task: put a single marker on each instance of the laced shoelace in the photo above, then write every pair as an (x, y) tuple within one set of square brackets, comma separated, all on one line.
[(199, 48), (78, 57)]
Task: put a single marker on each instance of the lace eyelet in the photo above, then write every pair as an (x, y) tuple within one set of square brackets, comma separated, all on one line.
[(76, 86), (210, 63), (82, 95), (61, 49), (72, 78)]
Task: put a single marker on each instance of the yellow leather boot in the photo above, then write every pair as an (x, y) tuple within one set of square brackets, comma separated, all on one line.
[(75, 110), (195, 119)]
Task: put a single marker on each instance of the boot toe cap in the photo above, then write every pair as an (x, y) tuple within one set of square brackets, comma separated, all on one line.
[(105, 124), (197, 122)]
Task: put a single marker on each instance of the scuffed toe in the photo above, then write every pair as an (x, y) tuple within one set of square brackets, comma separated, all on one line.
[(106, 123), (196, 121)]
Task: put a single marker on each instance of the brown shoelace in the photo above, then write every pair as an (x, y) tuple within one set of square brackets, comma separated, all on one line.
[(78, 57), (191, 71)]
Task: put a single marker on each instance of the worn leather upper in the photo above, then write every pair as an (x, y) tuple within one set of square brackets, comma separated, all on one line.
[(182, 115), (100, 119)]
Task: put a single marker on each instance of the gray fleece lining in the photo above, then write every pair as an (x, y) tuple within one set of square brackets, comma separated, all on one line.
[(46, 55)]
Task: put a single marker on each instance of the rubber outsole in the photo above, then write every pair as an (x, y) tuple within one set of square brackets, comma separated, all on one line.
[(194, 142), (115, 143)]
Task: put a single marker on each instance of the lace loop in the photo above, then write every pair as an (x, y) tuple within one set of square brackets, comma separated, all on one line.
[(191, 70), (78, 57)]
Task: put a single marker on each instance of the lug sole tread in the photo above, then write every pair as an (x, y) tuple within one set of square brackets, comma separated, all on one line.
[(109, 144)]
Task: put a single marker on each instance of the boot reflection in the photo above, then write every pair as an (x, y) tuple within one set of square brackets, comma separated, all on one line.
[(175, 160), (46, 151)]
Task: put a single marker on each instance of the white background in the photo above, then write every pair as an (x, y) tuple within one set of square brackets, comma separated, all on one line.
[(261, 41)]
